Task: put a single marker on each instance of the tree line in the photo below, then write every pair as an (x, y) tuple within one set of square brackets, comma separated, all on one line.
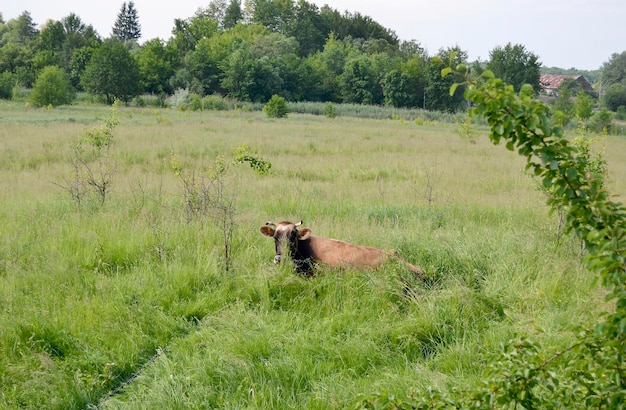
[(249, 52)]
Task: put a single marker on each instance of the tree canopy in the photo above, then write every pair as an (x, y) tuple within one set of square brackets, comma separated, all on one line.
[(253, 49), (515, 65), (613, 82), (614, 70), (436, 94), (112, 73)]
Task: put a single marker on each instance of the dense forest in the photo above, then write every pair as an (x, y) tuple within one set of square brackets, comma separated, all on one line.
[(251, 51)]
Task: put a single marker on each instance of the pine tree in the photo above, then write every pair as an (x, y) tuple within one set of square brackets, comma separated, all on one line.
[(127, 27), (233, 14)]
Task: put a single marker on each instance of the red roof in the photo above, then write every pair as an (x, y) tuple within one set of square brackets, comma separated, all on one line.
[(553, 81)]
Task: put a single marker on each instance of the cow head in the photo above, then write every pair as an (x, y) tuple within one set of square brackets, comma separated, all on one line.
[(286, 236)]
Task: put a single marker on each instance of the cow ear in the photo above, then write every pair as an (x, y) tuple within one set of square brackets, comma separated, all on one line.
[(304, 234), (267, 230)]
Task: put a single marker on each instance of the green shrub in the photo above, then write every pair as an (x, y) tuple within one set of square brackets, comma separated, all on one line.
[(602, 121), (583, 106), (214, 102), (52, 87), (195, 102), (139, 101), (615, 96), (329, 110), (180, 99), (276, 107), (7, 84)]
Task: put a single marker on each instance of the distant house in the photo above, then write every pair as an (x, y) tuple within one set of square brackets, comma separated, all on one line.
[(551, 82)]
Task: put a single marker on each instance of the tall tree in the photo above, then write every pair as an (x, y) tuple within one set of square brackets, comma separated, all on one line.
[(215, 10), (356, 26), (309, 29), (515, 65), (52, 36), (358, 81), (233, 14), (251, 71), (202, 66), (50, 44), (315, 81), (437, 91), (613, 81), (77, 35), (400, 89), (277, 15), (336, 52), (20, 30), (112, 73), (238, 72), (127, 27), (614, 70), (78, 62), (615, 97), (18, 49), (59, 40), (365, 27), (187, 33), (155, 66), (414, 65)]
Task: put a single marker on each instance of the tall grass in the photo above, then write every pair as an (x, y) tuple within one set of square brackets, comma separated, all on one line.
[(89, 295), (374, 112)]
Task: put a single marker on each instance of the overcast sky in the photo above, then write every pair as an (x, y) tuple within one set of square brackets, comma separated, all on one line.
[(563, 33)]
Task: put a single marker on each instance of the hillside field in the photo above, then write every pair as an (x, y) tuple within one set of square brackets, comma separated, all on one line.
[(91, 293)]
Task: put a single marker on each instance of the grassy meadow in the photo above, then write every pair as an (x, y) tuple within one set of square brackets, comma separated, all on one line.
[(91, 294)]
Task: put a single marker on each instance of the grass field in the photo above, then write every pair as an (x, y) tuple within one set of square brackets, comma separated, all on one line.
[(91, 294)]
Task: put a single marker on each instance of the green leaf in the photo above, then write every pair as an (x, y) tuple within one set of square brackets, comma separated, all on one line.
[(488, 74), (446, 71), (453, 88)]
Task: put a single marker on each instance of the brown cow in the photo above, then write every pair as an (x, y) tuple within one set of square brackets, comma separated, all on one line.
[(306, 250)]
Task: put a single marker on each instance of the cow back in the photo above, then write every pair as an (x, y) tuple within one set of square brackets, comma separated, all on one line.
[(340, 254)]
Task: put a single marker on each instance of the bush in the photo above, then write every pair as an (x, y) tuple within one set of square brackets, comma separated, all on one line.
[(195, 102), (615, 97), (276, 107), (8, 82), (329, 110), (139, 101), (583, 106), (180, 99), (52, 87), (602, 121), (214, 102)]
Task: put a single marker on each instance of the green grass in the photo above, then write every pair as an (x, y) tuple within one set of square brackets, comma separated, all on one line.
[(90, 295)]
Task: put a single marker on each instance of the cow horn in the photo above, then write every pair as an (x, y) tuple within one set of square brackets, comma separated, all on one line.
[(299, 223), (270, 223)]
